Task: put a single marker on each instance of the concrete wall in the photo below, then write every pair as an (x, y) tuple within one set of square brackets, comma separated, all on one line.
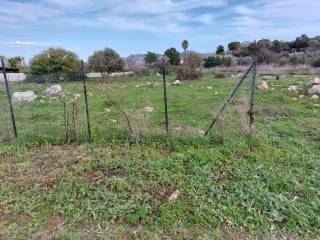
[(13, 77)]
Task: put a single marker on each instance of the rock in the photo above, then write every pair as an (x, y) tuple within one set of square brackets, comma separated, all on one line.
[(176, 82), (316, 81), (314, 90), (314, 97), (293, 88), (55, 90), (174, 195), (198, 132), (24, 96), (262, 85), (148, 109), (301, 96), (158, 74)]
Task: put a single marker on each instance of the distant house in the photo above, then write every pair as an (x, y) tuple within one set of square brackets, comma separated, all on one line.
[(8, 69)]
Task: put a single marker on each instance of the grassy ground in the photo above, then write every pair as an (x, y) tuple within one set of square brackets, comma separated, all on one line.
[(231, 185)]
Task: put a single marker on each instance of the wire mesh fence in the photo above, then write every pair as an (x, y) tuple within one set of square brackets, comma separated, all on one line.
[(127, 107)]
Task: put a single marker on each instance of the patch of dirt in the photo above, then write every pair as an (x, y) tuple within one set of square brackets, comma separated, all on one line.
[(271, 112), (231, 233), (45, 166), (173, 98), (96, 177), (160, 195)]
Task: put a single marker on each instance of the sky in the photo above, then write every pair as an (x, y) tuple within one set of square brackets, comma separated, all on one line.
[(138, 26)]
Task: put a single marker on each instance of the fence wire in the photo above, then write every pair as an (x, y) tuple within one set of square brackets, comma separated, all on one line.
[(122, 107)]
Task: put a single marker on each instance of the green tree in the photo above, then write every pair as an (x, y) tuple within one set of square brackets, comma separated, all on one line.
[(15, 62), (150, 58), (173, 55), (253, 49), (56, 61), (106, 61), (220, 50), (185, 45), (235, 48), (277, 46)]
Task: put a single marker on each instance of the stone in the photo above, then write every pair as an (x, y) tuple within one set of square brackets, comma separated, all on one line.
[(24, 96), (54, 91), (316, 81), (148, 109), (176, 82), (174, 195), (198, 132), (262, 85), (314, 97), (293, 88), (158, 74), (314, 90), (301, 96)]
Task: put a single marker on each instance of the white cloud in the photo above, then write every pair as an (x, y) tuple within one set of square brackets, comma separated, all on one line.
[(27, 44)]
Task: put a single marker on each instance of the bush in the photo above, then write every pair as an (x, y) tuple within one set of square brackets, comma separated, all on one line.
[(316, 63), (213, 61), (187, 73)]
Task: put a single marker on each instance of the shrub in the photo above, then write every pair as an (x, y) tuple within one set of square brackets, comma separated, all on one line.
[(193, 60), (188, 73), (316, 63), (213, 61)]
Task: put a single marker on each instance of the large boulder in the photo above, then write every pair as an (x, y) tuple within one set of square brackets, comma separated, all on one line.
[(314, 90), (54, 91), (23, 96), (262, 85)]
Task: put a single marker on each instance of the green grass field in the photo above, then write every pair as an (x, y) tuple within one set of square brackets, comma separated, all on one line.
[(233, 184)]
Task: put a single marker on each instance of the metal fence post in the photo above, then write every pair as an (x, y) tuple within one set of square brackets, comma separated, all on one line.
[(253, 89), (165, 98), (86, 100), (229, 99), (9, 99)]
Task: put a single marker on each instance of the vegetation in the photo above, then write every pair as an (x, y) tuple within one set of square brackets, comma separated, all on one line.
[(220, 50), (189, 70), (173, 55), (106, 61), (215, 61), (150, 58), (185, 45), (15, 62), (232, 185), (56, 61)]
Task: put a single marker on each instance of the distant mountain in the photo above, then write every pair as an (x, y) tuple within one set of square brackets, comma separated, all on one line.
[(135, 58)]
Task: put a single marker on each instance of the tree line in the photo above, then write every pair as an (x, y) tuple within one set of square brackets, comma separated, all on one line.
[(303, 50)]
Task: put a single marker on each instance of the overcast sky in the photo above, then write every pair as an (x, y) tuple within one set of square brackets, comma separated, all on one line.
[(138, 26)]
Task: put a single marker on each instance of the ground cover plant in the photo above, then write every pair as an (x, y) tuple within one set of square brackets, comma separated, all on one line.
[(234, 184)]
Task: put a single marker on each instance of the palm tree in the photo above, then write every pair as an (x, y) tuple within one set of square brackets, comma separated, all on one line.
[(185, 45)]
